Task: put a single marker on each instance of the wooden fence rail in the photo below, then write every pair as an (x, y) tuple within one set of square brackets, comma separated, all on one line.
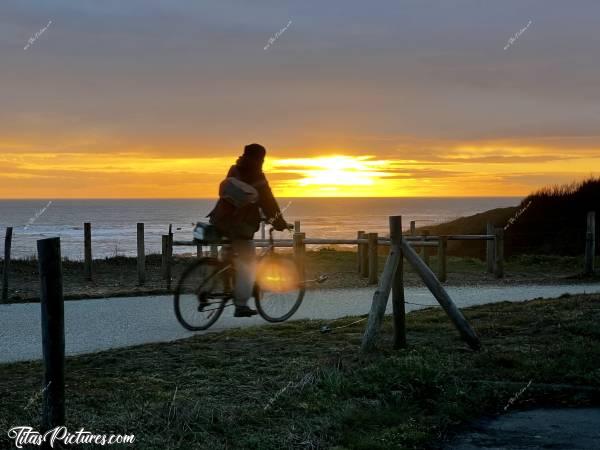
[(368, 245)]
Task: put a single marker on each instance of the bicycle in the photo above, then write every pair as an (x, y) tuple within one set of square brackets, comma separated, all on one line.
[(205, 287)]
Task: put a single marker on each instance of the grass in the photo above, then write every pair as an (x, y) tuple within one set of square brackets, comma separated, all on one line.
[(554, 219), (341, 265), (117, 277), (290, 386), (550, 221)]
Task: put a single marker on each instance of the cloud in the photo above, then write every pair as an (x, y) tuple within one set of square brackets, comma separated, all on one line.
[(110, 91)]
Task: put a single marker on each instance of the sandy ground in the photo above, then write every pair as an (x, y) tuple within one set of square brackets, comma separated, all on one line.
[(95, 325)]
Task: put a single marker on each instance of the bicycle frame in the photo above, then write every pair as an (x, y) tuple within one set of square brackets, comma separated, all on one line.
[(229, 266), (266, 251)]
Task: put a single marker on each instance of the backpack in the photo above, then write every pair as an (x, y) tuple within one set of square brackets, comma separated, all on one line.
[(237, 193), (236, 214)]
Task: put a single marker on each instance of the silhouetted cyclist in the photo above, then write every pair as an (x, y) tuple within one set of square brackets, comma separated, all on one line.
[(243, 195)]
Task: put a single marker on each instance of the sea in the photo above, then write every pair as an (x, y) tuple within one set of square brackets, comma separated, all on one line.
[(114, 222)]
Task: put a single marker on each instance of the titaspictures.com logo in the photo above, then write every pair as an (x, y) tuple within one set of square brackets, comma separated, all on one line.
[(28, 436)]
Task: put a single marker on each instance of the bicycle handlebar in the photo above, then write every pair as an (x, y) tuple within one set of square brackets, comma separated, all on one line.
[(290, 228)]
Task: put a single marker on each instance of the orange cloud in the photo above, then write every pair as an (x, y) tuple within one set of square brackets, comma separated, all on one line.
[(464, 170)]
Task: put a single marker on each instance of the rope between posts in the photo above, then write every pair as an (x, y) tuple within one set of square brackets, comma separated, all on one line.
[(483, 310)]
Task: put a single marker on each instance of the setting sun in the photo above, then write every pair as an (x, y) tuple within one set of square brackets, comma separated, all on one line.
[(331, 171)]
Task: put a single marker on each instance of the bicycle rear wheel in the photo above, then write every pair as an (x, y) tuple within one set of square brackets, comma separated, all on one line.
[(280, 305), (201, 294)]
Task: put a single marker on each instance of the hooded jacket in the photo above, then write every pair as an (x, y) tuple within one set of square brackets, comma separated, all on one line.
[(242, 223)]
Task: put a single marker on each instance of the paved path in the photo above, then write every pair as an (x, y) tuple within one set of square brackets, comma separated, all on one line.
[(95, 325), (538, 429)]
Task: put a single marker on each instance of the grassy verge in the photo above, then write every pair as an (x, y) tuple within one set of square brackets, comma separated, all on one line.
[(117, 277), (290, 386)]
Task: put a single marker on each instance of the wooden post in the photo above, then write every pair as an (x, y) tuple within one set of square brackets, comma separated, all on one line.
[(424, 251), (164, 256), (297, 226), (590, 244), (359, 251), (364, 258), (300, 253), (442, 262), (373, 247), (169, 257), (214, 251), (87, 250), (413, 228), (499, 263), (489, 249), (263, 235), (5, 271), (438, 291), (399, 314), (141, 254), (199, 251), (381, 295), (53, 333)]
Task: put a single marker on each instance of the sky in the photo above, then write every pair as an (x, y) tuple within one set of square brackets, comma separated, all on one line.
[(148, 98)]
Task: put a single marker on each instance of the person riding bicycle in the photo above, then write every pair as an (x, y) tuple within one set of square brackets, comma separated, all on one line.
[(243, 195)]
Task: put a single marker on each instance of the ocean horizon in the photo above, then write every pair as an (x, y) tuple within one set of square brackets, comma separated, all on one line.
[(114, 220)]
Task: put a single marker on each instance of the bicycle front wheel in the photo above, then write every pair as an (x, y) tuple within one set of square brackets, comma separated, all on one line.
[(201, 294), (279, 305)]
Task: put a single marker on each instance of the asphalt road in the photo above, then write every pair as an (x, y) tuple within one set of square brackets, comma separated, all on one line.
[(95, 325), (537, 429)]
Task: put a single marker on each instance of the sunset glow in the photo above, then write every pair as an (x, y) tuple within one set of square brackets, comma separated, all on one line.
[(109, 102), (465, 171)]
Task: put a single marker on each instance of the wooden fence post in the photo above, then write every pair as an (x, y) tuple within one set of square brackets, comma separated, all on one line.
[(53, 333), (359, 251), (141, 254), (424, 249), (297, 226), (413, 228), (169, 257), (263, 235), (300, 253), (381, 295), (499, 263), (5, 271), (489, 249), (198, 251), (590, 244), (438, 291), (442, 260), (399, 314), (373, 256), (87, 250), (364, 263), (164, 256)]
